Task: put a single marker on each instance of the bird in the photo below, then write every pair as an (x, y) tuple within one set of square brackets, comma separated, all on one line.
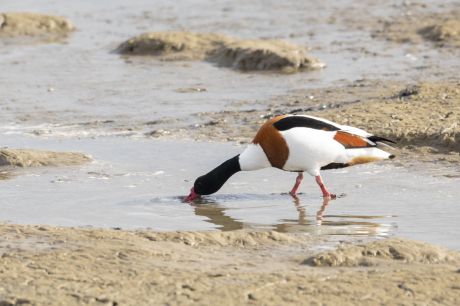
[(297, 143)]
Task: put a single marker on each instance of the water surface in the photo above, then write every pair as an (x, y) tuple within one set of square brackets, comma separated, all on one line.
[(138, 183)]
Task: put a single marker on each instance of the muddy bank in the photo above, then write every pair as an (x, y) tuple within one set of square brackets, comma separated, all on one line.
[(173, 45), (425, 114), (5, 175), (42, 264), (229, 238), (264, 55), (442, 29), (273, 55), (37, 158), (380, 252), (33, 27)]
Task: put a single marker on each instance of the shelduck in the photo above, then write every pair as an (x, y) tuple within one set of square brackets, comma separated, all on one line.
[(297, 143)]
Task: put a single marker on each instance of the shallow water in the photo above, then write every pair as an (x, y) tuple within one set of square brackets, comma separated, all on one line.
[(137, 183)]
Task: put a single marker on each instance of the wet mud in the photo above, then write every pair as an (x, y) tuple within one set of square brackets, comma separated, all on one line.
[(246, 55), (33, 27), (440, 29), (36, 158), (383, 251)]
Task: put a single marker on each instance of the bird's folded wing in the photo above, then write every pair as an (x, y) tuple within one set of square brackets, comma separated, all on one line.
[(351, 141)]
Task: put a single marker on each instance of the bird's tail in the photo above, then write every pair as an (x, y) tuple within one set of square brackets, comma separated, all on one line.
[(366, 155)]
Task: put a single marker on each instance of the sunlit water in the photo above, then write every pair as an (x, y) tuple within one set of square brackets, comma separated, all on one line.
[(141, 183)]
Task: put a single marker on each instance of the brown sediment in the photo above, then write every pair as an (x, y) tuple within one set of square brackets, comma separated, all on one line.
[(383, 251), (441, 28), (37, 158), (264, 55), (39, 27), (274, 55), (71, 266), (446, 31), (173, 45)]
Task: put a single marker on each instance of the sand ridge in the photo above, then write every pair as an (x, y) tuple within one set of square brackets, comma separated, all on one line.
[(33, 27), (382, 251), (441, 29), (38, 158), (240, 54)]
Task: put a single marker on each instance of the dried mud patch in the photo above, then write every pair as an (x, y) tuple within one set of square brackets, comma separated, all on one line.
[(33, 27), (37, 158), (94, 266), (380, 252), (232, 238), (247, 55)]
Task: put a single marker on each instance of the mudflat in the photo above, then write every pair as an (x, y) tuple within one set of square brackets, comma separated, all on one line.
[(36, 158), (240, 54), (26, 27), (390, 69), (70, 266)]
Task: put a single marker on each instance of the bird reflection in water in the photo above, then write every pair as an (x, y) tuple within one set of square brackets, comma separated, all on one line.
[(302, 223), (215, 214), (320, 212), (318, 223)]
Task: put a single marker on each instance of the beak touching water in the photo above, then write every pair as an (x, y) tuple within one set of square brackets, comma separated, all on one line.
[(192, 196)]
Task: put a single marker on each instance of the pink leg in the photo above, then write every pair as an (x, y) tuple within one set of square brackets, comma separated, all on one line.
[(298, 180), (320, 183)]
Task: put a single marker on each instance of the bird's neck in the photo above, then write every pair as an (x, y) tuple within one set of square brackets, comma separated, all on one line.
[(219, 175)]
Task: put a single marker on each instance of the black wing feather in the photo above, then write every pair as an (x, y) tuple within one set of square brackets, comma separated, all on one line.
[(334, 166), (375, 139), (301, 121)]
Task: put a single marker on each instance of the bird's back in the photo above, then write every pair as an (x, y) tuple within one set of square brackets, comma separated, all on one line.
[(307, 143)]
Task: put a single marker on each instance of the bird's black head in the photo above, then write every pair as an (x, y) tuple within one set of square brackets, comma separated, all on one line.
[(207, 184), (213, 181)]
